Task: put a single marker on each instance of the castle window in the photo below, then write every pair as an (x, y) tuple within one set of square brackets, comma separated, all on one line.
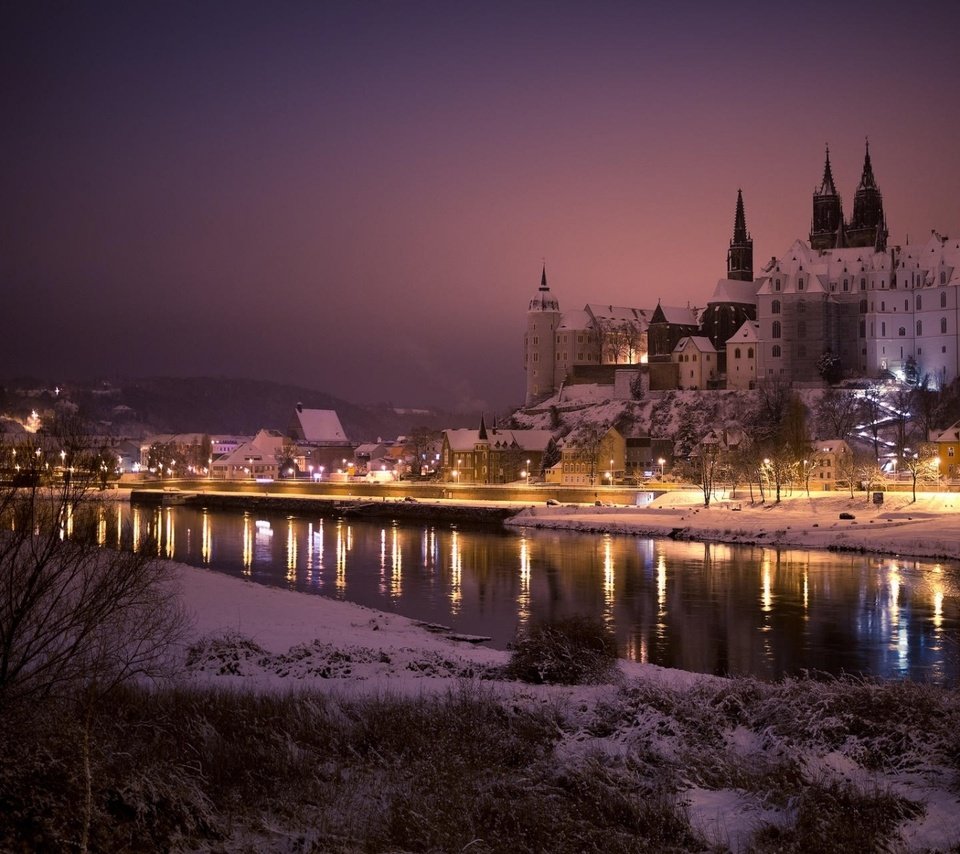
[(776, 351), (800, 283), (919, 302), (775, 332), (801, 329), (801, 307), (906, 305), (943, 299), (863, 329), (749, 352), (943, 349), (943, 326), (536, 340), (579, 357), (846, 284), (536, 357), (903, 331), (736, 353), (883, 330), (775, 307), (863, 284), (776, 285), (943, 277), (863, 306), (919, 327), (883, 305)]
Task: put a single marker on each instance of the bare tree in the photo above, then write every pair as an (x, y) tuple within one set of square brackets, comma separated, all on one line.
[(923, 464), (837, 413), (75, 618)]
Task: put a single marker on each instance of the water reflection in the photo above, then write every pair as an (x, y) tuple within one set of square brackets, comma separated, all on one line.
[(701, 607)]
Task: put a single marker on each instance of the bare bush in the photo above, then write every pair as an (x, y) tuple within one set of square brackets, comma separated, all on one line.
[(569, 651)]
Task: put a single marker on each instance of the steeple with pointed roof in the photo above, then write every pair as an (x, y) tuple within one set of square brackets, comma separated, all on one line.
[(826, 229), (740, 253), (867, 226), (544, 300)]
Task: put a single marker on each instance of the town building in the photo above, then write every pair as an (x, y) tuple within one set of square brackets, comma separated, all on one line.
[(495, 455)]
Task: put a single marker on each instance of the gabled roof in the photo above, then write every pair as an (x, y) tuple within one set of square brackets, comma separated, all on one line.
[(464, 440), (951, 434), (830, 446), (699, 342), (749, 332), (675, 315), (731, 290), (320, 426)]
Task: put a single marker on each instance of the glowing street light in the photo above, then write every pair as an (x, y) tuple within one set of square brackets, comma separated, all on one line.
[(528, 472), (662, 462)]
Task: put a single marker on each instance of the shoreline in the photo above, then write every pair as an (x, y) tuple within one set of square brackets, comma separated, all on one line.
[(926, 528)]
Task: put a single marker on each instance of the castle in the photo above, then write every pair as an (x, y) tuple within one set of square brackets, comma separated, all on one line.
[(876, 310)]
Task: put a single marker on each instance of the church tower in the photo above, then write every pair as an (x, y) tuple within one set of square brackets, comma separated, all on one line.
[(826, 230), (740, 253), (868, 226), (543, 318)]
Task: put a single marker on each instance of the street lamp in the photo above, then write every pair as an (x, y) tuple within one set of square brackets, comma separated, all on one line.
[(611, 471), (661, 462), (528, 472)]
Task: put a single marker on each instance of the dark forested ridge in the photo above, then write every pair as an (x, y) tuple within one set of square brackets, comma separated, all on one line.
[(137, 407)]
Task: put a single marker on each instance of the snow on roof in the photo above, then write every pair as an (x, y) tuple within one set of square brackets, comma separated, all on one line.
[(731, 290), (700, 342), (951, 434), (749, 331), (321, 426), (618, 314), (526, 440), (575, 319), (679, 316)]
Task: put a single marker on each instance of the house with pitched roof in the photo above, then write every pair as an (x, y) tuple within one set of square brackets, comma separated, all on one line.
[(494, 455)]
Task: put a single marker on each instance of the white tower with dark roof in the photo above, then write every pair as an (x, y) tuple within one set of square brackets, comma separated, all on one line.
[(539, 348)]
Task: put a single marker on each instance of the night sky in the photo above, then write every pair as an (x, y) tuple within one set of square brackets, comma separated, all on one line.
[(357, 196)]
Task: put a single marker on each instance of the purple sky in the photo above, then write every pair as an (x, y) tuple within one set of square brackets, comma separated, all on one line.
[(357, 196)]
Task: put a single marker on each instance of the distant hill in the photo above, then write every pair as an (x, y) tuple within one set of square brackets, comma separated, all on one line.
[(139, 407)]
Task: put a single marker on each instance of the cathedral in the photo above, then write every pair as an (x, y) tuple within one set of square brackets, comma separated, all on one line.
[(874, 310)]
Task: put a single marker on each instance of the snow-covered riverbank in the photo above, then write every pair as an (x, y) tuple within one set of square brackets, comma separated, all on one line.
[(928, 527)]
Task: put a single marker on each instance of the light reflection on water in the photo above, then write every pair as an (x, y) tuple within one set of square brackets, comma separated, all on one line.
[(701, 607)]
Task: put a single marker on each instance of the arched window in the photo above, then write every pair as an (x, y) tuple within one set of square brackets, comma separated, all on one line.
[(775, 333), (919, 327), (919, 302), (943, 326), (775, 307), (749, 352), (863, 306), (776, 351), (943, 299), (903, 330), (736, 353), (801, 307)]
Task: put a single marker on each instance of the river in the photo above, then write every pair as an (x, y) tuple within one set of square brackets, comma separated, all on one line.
[(727, 610)]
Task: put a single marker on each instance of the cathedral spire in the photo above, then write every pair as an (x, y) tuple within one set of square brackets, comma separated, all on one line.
[(543, 278), (867, 226), (827, 187), (482, 435), (739, 221), (826, 228), (740, 253), (867, 181)]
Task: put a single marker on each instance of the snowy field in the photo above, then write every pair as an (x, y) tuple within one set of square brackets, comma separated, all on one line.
[(741, 755)]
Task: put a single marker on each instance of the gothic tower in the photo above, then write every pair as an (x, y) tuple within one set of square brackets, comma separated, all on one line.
[(740, 253), (543, 317), (868, 226), (826, 230)]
